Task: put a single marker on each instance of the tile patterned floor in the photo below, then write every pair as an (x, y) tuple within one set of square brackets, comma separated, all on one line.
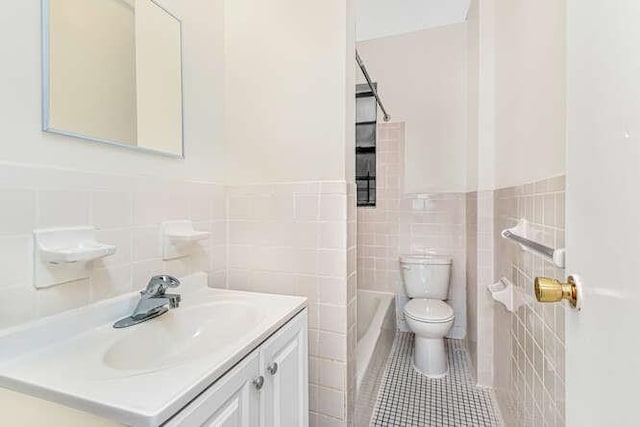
[(408, 399)]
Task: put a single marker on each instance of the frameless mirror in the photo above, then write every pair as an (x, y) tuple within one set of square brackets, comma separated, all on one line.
[(112, 72)]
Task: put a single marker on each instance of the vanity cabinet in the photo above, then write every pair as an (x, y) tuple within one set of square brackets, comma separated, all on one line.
[(284, 361), (268, 388), (232, 401)]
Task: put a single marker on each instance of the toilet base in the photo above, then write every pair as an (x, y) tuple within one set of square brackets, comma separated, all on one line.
[(430, 357)]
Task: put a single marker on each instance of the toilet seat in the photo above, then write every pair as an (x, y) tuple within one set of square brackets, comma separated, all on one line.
[(429, 311)]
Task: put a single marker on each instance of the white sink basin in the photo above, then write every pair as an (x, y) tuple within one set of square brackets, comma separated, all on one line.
[(182, 335), (143, 374)]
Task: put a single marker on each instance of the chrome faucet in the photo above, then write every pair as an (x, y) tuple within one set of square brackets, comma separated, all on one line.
[(153, 301)]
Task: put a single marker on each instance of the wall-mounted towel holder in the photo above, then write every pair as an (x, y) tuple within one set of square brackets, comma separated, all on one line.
[(520, 233)]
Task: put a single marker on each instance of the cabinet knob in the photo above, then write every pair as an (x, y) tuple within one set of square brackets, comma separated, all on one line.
[(273, 368), (258, 382)]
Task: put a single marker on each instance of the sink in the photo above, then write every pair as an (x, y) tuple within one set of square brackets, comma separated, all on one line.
[(144, 374), (182, 335)]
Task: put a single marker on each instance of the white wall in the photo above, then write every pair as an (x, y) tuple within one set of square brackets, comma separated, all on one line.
[(480, 207), (516, 92), (516, 134), (289, 111), (481, 96), (516, 52), (473, 88), (382, 18), (349, 94), (485, 20), (289, 115), (286, 88), (20, 104), (54, 181), (529, 90), (422, 81)]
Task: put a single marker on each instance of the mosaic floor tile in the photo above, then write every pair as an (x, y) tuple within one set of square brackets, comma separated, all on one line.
[(408, 399)]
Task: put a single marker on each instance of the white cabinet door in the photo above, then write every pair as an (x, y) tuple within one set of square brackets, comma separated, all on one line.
[(280, 400), (284, 364), (232, 401)]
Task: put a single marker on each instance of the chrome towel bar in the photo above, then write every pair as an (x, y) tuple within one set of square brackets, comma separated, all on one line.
[(517, 233)]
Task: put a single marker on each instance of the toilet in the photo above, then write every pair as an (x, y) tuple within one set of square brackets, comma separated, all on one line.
[(426, 283)]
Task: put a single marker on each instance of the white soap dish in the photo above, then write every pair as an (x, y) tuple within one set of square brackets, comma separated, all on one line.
[(69, 245), (179, 238), (189, 236), (84, 252), (64, 254)]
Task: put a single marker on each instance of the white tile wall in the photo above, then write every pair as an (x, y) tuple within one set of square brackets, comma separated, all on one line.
[(126, 209), (297, 238), (352, 302), (409, 223), (18, 213), (529, 347), (480, 265), (294, 238)]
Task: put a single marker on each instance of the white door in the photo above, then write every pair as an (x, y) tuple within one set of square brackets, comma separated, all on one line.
[(285, 367), (233, 401), (603, 212)]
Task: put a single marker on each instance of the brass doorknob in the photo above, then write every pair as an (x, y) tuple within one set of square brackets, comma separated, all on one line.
[(552, 290)]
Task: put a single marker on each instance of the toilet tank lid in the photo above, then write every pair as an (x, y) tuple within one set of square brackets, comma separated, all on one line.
[(425, 259)]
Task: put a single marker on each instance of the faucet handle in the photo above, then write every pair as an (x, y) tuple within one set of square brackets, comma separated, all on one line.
[(159, 284)]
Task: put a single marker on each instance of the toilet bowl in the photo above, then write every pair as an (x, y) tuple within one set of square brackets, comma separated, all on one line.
[(426, 282), (430, 320)]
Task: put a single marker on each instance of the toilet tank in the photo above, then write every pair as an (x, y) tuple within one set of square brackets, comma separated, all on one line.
[(426, 276)]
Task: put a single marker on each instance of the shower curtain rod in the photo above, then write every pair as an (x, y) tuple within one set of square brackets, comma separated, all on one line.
[(386, 116)]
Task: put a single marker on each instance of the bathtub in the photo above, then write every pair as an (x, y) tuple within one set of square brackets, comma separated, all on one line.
[(376, 330)]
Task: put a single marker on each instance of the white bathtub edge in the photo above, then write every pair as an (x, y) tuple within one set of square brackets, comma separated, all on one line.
[(367, 343)]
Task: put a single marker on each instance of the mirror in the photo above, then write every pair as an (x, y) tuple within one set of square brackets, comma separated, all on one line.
[(112, 72)]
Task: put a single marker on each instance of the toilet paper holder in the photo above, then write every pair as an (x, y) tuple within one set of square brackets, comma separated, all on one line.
[(507, 294)]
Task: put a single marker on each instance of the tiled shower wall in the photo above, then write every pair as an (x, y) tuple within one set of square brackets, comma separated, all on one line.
[(529, 347), (480, 264), (352, 303), (299, 239), (128, 211), (409, 223)]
